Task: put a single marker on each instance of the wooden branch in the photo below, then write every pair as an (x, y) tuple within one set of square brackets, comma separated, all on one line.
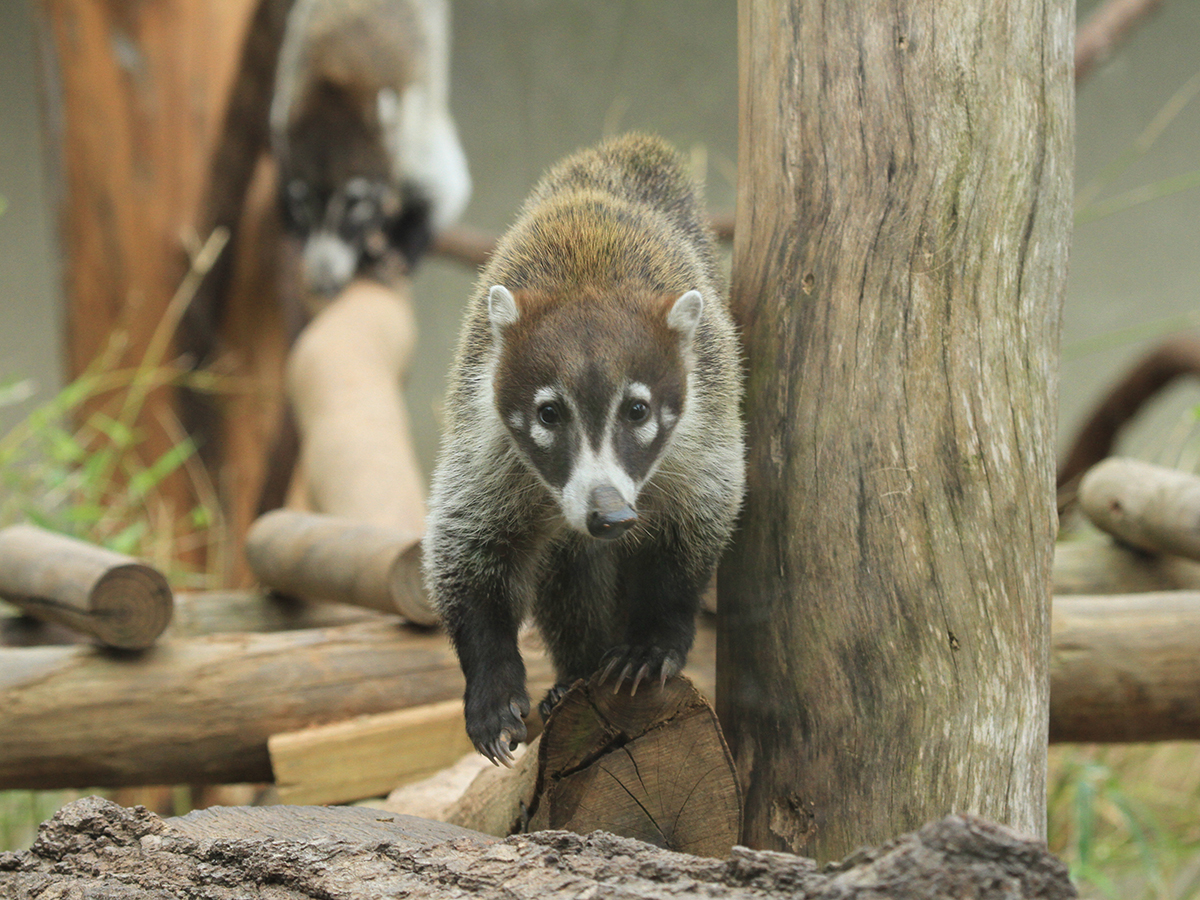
[(652, 766), (112, 597), (93, 847), (240, 142), (367, 756), (330, 558), (1150, 507), (1125, 668), (1108, 567), (1108, 26), (343, 380), (200, 710), (1172, 359)]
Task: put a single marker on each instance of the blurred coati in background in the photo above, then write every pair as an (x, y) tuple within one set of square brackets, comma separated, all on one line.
[(370, 166)]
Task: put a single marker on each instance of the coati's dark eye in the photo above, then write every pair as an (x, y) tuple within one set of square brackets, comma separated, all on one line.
[(549, 414), (637, 411)]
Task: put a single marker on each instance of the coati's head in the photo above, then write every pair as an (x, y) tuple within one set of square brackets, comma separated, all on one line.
[(337, 192), (591, 389)]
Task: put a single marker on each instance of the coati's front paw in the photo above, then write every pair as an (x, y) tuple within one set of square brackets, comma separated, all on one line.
[(640, 664), (495, 723)]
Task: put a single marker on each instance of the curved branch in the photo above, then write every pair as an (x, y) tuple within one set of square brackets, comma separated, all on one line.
[(1174, 357)]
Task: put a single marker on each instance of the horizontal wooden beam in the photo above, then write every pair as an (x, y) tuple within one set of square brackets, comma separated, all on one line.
[(1126, 668), (201, 709)]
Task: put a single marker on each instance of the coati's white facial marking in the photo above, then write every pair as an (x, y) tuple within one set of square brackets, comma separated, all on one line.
[(591, 437), (546, 403), (639, 410), (595, 468)]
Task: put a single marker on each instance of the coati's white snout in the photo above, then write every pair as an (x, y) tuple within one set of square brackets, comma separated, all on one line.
[(328, 262)]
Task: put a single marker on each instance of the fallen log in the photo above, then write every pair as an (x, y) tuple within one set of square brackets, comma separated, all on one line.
[(1124, 668), (201, 710), (331, 558), (343, 379), (93, 847), (112, 597), (1151, 507)]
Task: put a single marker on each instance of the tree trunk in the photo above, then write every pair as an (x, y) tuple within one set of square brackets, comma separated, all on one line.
[(903, 215)]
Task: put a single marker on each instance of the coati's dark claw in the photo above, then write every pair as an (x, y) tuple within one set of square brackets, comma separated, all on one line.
[(637, 679), (552, 698), (641, 664)]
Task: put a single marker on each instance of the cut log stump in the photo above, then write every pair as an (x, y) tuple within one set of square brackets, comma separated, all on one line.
[(114, 598), (652, 766), (94, 848)]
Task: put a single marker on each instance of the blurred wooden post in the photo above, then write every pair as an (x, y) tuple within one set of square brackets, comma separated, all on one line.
[(134, 97), (904, 185)]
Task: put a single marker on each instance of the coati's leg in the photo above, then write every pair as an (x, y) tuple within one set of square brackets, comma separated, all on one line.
[(662, 581), (576, 612), (481, 613)]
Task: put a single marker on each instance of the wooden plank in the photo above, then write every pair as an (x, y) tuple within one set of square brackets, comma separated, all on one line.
[(367, 756)]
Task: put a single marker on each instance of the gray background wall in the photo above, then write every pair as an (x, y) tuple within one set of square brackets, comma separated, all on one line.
[(534, 79)]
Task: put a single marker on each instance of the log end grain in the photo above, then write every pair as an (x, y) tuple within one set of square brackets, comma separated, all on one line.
[(132, 606), (652, 766)]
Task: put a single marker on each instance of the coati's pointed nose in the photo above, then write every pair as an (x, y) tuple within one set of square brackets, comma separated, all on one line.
[(610, 516)]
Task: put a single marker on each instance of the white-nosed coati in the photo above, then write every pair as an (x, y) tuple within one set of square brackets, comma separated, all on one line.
[(591, 470), (369, 158)]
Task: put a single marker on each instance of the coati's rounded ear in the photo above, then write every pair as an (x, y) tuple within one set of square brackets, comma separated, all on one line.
[(685, 314), (502, 308)]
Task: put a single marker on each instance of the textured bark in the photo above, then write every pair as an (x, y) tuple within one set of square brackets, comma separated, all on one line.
[(899, 260), (94, 848)]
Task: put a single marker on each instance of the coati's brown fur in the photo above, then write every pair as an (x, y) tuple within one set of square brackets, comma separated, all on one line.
[(591, 469)]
